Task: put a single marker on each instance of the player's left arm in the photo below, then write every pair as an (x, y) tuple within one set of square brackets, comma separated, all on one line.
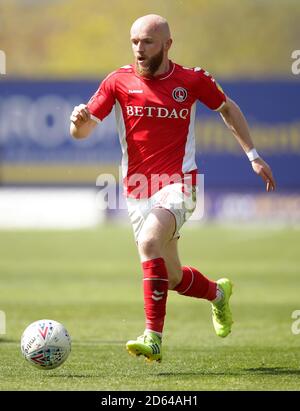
[(237, 123)]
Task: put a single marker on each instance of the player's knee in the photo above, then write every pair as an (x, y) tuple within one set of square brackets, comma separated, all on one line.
[(149, 247)]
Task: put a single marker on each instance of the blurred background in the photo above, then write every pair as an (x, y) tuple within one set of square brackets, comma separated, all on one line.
[(64, 257), (58, 51)]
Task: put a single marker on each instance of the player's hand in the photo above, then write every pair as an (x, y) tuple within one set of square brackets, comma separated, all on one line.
[(261, 168), (80, 115)]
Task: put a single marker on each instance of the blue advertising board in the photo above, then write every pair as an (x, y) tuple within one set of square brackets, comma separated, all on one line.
[(34, 134)]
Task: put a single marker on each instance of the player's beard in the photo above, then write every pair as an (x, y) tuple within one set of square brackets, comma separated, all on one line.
[(153, 64)]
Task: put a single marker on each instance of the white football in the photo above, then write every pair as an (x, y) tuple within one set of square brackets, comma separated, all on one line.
[(46, 344)]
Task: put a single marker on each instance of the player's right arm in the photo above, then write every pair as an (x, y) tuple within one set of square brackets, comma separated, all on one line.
[(81, 122), (85, 117)]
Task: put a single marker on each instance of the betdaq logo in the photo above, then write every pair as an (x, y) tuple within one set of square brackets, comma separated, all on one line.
[(2, 62), (296, 63), (157, 112)]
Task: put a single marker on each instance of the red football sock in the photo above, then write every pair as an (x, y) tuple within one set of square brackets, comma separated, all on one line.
[(155, 293), (195, 284)]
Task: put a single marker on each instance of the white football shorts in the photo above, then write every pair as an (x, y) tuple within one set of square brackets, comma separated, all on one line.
[(178, 198)]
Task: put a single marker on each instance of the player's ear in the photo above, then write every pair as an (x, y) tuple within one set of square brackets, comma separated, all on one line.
[(168, 44)]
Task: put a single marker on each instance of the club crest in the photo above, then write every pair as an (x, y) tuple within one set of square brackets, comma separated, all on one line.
[(179, 94)]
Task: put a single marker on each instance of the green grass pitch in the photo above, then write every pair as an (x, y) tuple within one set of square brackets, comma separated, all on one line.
[(90, 281)]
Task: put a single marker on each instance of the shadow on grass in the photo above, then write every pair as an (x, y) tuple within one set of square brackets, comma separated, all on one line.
[(273, 371), (246, 371), (77, 376), (4, 340)]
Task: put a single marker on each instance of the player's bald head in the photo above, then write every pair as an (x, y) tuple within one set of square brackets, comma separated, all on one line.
[(152, 23), (151, 40)]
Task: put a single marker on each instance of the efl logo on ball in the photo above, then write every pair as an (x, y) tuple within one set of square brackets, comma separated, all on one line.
[(46, 344)]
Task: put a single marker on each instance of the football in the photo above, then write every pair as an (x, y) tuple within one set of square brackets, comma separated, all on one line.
[(46, 344)]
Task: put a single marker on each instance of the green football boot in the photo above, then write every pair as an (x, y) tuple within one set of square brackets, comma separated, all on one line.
[(148, 345), (221, 314)]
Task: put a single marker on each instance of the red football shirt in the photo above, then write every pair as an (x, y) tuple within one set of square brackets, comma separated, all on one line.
[(155, 120)]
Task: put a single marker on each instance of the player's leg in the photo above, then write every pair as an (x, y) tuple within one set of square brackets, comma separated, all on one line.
[(187, 280), (190, 282), (173, 263), (156, 237), (157, 231)]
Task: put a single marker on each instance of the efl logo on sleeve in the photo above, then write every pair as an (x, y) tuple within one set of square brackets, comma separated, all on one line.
[(2, 62)]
